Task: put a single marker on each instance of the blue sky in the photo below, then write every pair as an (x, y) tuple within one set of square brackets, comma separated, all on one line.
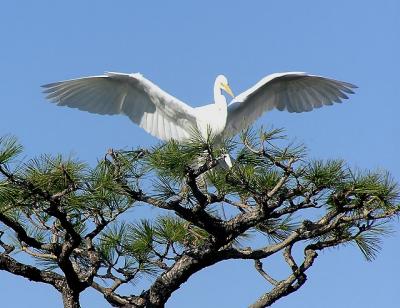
[(182, 46)]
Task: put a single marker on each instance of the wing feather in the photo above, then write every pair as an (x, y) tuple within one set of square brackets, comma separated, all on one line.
[(291, 91), (317, 98), (153, 109)]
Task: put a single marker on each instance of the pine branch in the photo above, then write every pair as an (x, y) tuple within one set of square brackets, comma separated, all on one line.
[(69, 216), (28, 271), (259, 267)]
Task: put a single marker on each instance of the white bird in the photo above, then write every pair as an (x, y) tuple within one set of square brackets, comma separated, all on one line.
[(166, 117)]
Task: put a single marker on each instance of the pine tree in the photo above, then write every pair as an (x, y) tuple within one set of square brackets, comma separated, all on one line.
[(72, 226)]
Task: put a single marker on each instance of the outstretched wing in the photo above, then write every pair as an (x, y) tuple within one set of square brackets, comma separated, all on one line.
[(156, 111), (292, 91)]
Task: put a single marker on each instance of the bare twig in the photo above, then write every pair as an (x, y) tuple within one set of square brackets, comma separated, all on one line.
[(259, 267)]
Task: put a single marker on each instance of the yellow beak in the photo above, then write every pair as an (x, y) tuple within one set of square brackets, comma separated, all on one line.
[(227, 89)]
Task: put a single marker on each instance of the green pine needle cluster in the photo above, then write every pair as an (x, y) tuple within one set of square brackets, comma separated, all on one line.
[(52, 206)]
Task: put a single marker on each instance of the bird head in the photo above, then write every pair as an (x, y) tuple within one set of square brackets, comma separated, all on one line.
[(222, 84)]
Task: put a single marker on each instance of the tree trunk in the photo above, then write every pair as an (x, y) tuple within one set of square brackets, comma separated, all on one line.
[(179, 273), (70, 298)]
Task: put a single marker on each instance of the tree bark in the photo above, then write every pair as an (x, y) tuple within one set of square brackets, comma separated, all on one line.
[(70, 298), (179, 273)]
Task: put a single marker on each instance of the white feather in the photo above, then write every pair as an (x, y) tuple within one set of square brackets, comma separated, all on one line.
[(166, 117), (142, 101), (291, 91)]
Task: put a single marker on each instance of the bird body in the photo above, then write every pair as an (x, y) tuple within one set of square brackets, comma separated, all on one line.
[(212, 117), (166, 117)]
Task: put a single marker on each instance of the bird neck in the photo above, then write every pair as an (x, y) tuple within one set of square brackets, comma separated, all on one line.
[(219, 98)]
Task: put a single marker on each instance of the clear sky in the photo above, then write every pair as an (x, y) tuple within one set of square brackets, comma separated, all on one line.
[(182, 46)]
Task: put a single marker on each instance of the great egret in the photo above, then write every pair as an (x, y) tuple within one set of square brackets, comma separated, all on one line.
[(166, 117)]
